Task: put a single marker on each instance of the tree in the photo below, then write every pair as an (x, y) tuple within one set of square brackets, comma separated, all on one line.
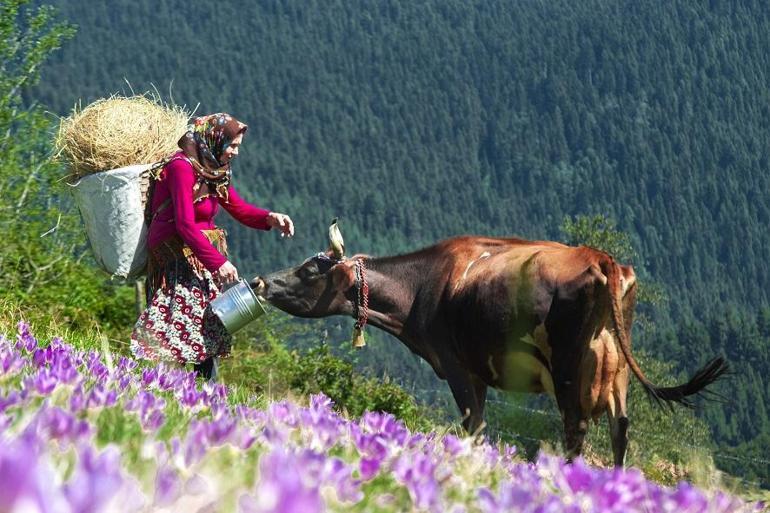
[(42, 242), (598, 231)]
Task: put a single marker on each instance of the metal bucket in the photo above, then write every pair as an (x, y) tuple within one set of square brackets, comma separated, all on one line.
[(237, 306)]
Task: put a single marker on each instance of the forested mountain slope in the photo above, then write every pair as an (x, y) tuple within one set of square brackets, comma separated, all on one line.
[(414, 121)]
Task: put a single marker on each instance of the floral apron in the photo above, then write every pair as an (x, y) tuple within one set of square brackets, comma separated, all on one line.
[(177, 324)]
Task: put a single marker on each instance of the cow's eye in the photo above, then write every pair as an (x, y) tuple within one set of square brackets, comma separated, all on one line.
[(324, 264), (305, 273)]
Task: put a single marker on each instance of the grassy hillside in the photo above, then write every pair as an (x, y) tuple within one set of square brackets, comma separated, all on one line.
[(86, 428)]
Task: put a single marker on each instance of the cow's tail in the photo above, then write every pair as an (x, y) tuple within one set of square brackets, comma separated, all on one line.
[(681, 394)]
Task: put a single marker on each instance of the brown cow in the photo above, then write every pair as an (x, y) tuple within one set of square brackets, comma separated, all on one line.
[(528, 316)]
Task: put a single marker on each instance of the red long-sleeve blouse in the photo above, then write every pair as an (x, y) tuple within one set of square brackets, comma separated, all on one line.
[(187, 219)]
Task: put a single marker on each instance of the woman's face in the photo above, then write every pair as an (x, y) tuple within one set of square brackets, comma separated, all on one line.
[(232, 149)]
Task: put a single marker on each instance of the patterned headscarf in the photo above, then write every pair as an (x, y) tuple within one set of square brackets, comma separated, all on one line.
[(204, 143)]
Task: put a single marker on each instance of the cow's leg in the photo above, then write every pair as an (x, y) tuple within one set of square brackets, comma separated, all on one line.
[(480, 389), (568, 386), (575, 434), (616, 411), (618, 418), (470, 394), (619, 437), (575, 425), (571, 330)]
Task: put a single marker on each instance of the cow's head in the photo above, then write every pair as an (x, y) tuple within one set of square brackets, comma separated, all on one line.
[(318, 287)]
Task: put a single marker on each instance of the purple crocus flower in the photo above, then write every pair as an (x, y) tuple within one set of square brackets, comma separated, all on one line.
[(219, 430), (101, 397), (254, 416), (415, 441), (487, 501), (511, 497), (153, 421), (78, 400), (321, 403), (150, 409), (126, 364), (452, 445), (175, 448), (215, 393), (322, 427), (41, 357), (245, 439), (338, 475), (57, 424), (417, 473), (197, 485), (96, 480), (24, 339), (64, 369), (283, 412), (687, 498), (368, 468), (281, 487), (10, 360), (315, 470), (142, 402), (555, 504), (579, 476), (26, 477), (174, 379), (95, 368), (275, 433), (167, 486), (218, 409), (386, 425), (189, 396), (123, 382), (13, 398), (619, 490), (43, 382), (149, 376), (373, 447), (195, 442)]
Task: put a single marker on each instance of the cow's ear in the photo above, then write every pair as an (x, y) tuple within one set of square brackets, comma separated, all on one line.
[(343, 276)]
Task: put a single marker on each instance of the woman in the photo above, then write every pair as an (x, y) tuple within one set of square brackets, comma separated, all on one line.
[(188, 262)]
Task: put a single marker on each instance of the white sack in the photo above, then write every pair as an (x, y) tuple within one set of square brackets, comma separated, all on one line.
[(110, 204)]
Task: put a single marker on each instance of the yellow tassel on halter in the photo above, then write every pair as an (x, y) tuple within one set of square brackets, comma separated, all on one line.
[(358, 338)]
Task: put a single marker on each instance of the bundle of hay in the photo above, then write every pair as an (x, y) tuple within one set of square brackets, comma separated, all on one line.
[(109, 147), (119, 131)]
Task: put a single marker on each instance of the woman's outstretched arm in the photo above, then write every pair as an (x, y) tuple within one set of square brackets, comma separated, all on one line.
[(245, 212)]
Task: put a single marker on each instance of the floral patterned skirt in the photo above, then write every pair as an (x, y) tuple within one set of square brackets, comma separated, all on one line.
[(178, 324)]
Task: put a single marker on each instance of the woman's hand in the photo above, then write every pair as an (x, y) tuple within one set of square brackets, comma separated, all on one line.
[(227, 273), (282, 222)]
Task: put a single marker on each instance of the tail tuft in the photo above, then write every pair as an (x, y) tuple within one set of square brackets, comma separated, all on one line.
[(684, 394)]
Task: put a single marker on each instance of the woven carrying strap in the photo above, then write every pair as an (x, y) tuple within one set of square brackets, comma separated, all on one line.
[(147, 187)]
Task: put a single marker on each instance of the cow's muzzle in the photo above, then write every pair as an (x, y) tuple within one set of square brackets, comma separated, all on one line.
[(258, 286)]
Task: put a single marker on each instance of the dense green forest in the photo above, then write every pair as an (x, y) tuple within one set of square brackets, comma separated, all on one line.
[(413, 121)]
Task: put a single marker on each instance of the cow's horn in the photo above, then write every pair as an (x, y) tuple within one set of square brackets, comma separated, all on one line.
[(335, 240)]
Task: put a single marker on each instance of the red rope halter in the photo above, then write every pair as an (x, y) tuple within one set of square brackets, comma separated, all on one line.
[(362, 295)]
